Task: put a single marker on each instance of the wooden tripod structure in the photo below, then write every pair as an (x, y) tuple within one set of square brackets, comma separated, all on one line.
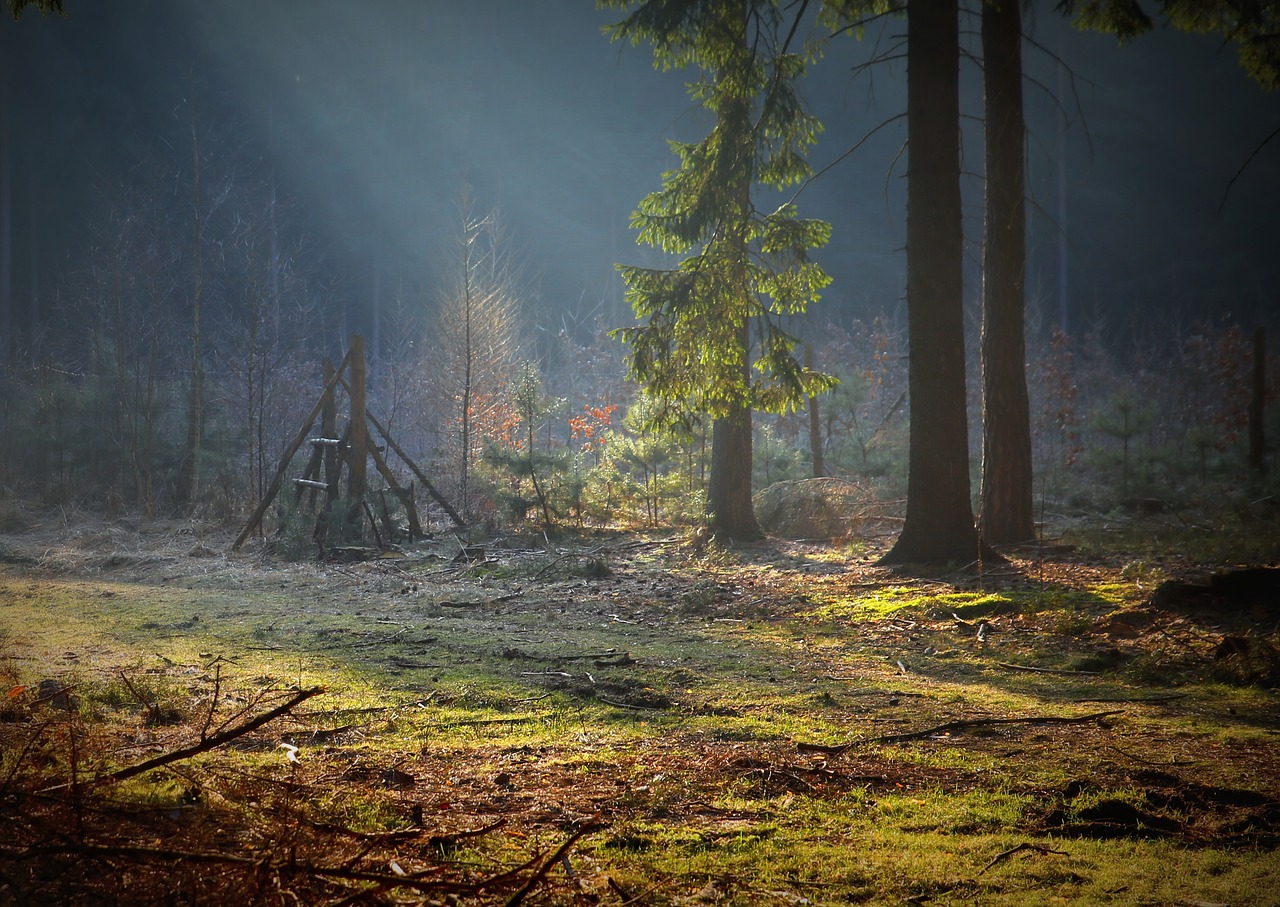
[(330, 451)]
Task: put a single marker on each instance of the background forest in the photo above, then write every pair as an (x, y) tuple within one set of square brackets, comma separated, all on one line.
[(166, 367)]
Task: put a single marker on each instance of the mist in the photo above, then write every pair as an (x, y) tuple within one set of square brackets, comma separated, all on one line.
[(372, 120)]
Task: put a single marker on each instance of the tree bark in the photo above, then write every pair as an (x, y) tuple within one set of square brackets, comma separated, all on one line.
[(1006, 514), (189, 478), (815, 423), (1257, 406), (729, 488), (939, 525)]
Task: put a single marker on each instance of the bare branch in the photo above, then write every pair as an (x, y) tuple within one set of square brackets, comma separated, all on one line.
[(1245, 166), (205, 744), (854, 147)]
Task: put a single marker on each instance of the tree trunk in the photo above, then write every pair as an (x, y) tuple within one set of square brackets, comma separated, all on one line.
[(939, 524), (729, 488), (189, 478), (815, 423), (7, 316), (1007, 515), (1257, 406)]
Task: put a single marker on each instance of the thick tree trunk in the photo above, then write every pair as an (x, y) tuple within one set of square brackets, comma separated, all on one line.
[(939, 524), (1006, 515), (815, 423), (729, 487)]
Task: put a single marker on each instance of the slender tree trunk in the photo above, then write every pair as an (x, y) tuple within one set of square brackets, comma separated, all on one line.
[(939, 525), (464, 466), (189, 479), (1007, 515), (7, 314), (1257, 406)]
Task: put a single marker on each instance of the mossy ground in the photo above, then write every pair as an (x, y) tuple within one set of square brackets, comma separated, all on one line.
[(1088, 747)]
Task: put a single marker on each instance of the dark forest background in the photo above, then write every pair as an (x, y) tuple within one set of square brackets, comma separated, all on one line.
[(210, 199)]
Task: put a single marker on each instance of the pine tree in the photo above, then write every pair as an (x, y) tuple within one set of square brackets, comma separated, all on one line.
[(742, 270), (939, 526)]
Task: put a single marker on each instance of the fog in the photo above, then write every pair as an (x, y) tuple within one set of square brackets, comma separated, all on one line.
[(370, 119)]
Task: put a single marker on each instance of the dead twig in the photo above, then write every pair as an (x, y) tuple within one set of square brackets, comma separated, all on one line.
[(555, 858), (484, 722), (610, 655), (453, 838), (951, 726), (1136, 758), (627, 705), (1024, 846)]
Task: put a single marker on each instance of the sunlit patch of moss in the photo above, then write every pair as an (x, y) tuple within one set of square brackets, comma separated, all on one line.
[(1121, 593)]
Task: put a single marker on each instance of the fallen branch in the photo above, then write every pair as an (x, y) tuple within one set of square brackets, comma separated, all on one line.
[(451, 840), (948, 727), (206, 744), (368, 709), (484, 722), (368, 644), (1038, 848), (1133, 699), (593, 553), (618, 658), (627, 705), (555, 858), (1013, 667)]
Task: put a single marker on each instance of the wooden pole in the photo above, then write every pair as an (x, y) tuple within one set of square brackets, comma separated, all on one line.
[(415, 528), (426, 483), (292, 449)]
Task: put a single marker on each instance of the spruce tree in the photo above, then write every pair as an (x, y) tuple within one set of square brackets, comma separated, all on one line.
[(710, 342)]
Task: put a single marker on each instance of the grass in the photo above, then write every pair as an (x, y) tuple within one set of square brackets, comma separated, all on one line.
[(666, 695)]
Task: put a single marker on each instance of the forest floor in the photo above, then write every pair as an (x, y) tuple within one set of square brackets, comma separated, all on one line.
[(629, 719)]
